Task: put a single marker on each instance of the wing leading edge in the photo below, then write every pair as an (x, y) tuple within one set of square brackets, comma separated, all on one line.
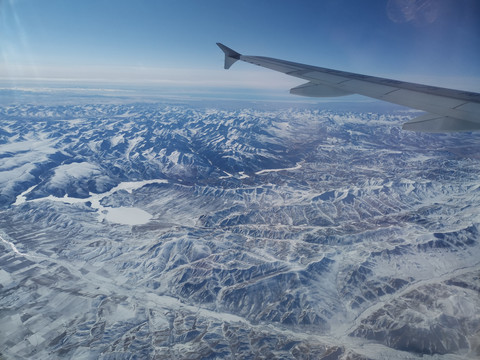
[(448, 110)]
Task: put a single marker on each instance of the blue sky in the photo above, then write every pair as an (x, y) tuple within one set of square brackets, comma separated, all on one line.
[(172, 42)]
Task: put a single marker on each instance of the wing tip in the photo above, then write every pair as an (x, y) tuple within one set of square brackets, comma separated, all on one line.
[(231, 56)]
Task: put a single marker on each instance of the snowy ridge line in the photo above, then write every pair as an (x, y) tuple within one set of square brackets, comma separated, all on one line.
[(296, 167), (12, 245), (226, 176), (156, 301), (350, 343), (375, 217), (15, 250), (128, 186), (439, 279), (22, 197)]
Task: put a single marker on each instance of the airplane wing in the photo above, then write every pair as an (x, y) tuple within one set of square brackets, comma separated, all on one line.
[(447, 109)]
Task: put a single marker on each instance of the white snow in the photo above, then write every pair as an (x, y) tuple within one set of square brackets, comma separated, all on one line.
[(5, 278), (174, 156), (457, 305), (21, 160), (14, 248), (29, 146), (129, 186), (227, 176), (120, 215), (22, 197), (65, 173), (121, 313), (243, 175), (127, 216), (114, 141), (35, 339), (131, 145), (20, 173), (296, 167)]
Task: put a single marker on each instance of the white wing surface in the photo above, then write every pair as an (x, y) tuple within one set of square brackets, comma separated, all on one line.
[(448, 110)]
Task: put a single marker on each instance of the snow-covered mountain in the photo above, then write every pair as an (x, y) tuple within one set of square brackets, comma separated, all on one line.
[(176, 232)]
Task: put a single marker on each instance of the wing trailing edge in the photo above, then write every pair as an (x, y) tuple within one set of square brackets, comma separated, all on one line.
[(439, 124), (448, 109)]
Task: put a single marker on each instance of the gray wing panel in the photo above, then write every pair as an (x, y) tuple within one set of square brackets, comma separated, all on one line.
[(447, 104), (318, 90), (435, 123)]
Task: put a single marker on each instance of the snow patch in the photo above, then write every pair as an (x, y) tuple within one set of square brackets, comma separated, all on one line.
[(65, 173), (120, 215), (114, 141), (227, 176), (296, 167), (5, 278), (22, 197), (12, 245), (127, 216), (174, 156)]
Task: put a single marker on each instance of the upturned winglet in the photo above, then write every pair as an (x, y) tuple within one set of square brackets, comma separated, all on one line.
[(231, 56)]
